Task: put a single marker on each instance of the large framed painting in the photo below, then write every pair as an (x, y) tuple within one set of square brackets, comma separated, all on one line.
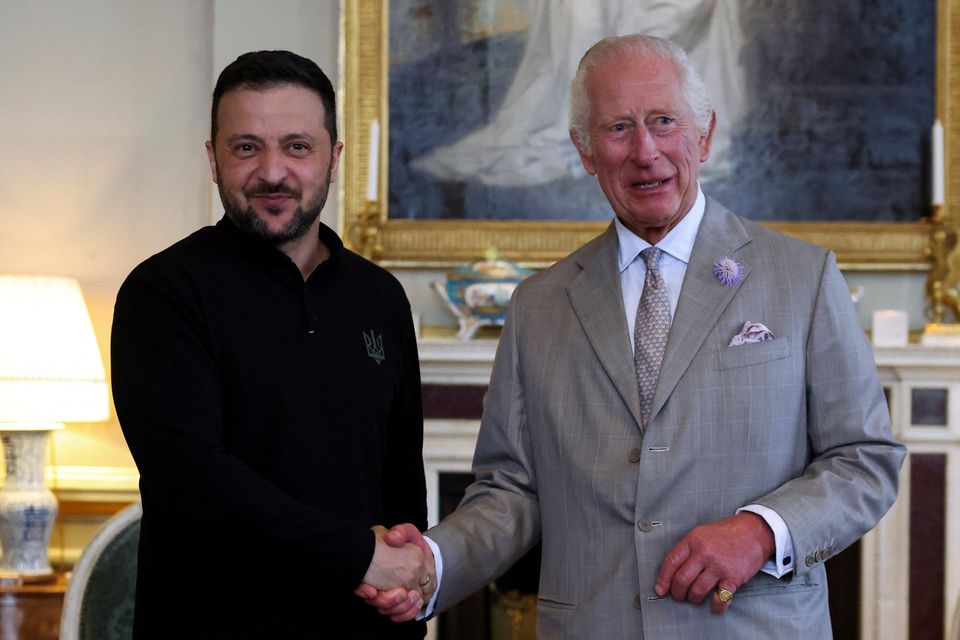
[(456, 114)]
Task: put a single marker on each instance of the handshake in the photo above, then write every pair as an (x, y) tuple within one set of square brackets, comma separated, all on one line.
[(402, 576)]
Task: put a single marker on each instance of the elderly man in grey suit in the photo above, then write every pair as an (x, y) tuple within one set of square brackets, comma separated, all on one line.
[(685, 410)]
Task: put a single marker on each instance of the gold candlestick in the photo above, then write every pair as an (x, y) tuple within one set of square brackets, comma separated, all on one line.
[(365, 232), (942, 281), (938, 264)]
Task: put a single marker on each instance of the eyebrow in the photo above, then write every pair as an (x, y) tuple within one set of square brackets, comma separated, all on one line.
[(243, 137), (609, 118), (290, 137)]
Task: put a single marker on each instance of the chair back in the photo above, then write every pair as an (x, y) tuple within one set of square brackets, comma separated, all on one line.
[(98, 604)]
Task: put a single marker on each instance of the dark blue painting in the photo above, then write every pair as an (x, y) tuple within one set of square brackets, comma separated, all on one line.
[(824, 107)]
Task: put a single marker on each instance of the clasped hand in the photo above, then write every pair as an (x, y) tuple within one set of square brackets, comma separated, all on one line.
[(402, 575)]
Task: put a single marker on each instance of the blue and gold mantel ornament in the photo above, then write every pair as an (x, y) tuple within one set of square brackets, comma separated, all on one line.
[(480, 293)]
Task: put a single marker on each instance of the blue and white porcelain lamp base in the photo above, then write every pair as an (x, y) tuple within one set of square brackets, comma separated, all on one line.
[(28, 509)]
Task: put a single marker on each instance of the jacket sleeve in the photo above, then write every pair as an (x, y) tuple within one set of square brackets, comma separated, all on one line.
[(499, 518), (853, 474)]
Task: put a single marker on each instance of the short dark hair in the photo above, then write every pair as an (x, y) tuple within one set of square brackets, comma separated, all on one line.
[(261, 70)]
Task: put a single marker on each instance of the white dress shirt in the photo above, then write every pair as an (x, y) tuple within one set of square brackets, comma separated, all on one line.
[(676, 246)]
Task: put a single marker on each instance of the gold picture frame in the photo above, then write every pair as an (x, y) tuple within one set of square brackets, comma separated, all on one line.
[(866, 246)]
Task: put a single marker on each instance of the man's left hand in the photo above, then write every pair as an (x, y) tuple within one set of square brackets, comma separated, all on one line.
[(723, 554)]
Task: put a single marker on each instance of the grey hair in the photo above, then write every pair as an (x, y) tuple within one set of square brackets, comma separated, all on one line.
[(636, 46)]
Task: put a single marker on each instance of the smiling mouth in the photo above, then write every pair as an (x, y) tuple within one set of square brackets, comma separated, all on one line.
[(647, 185), (273, 201)]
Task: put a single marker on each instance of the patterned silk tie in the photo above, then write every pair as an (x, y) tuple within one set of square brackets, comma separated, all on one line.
[(650, 331)]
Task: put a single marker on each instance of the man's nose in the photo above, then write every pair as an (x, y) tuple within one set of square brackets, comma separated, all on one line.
[(273, 166), (645, 151)]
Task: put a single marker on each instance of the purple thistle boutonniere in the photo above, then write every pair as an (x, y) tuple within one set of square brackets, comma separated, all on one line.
[(728, 271)]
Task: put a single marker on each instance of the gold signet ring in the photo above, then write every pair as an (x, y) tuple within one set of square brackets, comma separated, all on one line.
[(724, 596)]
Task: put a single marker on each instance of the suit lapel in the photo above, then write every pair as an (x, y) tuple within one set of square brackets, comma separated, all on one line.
[(597, 301), (702, 297)]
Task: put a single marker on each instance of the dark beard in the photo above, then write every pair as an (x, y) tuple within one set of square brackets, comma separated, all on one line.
[(247, 219)]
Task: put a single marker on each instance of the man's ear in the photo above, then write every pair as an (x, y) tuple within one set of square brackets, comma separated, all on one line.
[(335, 160), (585, 156), (707, 139), (212, 158)]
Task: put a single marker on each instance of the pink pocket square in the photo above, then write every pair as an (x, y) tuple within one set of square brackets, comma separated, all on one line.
[(752, 332)]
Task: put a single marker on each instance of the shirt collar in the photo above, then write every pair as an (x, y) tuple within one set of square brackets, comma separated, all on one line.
[(265, 253), (678, 242), (254, 243)]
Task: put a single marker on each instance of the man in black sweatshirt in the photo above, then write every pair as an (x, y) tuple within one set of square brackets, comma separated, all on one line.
[(267, 383)]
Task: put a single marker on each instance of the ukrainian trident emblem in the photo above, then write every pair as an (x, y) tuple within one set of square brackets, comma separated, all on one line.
[(374, 346)]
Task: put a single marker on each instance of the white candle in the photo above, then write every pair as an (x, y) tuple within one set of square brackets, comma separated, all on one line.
[(936, 141), (373, 162)]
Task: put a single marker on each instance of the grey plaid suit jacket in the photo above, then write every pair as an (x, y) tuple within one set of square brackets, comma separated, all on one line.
[(798, 424)]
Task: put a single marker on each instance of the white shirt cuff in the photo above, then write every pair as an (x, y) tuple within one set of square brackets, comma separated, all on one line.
[(782, 562), (427, 611)]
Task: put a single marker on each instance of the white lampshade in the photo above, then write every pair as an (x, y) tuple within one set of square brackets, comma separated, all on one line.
[(50, 366)]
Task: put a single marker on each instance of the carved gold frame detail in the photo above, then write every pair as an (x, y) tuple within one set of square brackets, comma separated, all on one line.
[(868, 246), (943, 251)]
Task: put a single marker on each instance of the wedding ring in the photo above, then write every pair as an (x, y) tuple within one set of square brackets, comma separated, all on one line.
[(425, 582), (724, 596)]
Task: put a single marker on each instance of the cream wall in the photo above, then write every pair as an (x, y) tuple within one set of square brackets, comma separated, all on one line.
[(103, 116)]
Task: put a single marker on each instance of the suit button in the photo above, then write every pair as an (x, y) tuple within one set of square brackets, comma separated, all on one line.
[(645, 525), (634, 455), (637, 601)]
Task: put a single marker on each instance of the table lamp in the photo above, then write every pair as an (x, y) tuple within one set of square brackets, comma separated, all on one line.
[(50, 373)]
